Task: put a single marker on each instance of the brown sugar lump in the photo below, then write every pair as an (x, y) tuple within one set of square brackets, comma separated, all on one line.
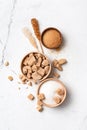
[(39, 108), (45, 63), (41, 71), (28, 75), (10, 78), (25, 62), (31, 97), (55, 62), (34, 68), (31, 61), (36, 76), (38, 55), (39, 62), (59, 67), (6, 63), (56, 75), (51, 38), (47, 69), (41, 96), (40, 103), (57, 99), (62, 61), (25, 70), (60, 91), (30, 83), (23, 78)]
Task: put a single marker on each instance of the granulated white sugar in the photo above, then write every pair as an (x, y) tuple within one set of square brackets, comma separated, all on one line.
[(49, 88)]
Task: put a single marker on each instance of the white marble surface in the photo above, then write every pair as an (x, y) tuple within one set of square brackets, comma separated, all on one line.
[(16, 111)]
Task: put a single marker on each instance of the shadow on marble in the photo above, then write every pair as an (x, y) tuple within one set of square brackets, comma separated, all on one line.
[(84, 124)]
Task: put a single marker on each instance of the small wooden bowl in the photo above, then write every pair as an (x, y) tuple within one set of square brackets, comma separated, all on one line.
[(50, 79), (25, 58), (51, 28)]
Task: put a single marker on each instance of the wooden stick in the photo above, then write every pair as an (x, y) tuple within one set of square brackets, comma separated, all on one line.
[(36, 29), (28, 34)]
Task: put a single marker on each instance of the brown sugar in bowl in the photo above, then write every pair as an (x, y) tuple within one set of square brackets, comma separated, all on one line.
[(43, 56), (63, 86), (51, 38)]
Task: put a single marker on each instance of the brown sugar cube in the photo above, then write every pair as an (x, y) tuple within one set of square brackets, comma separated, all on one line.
[(35, 81), (28, 75), (60, 91), (40, 103), (41, 96), (45, 63), (44, 58), (55, 62), (57, 100), (34, 68), (28, 68), (56, 75), (38, 55), (41, 71), (47, 69), (36, 76), (39, 108), (25, 70), (30, 55), (25, 62), (31, 61), (30, 71), (6, 63), (30, 83), (59, 67), (31, 97), (62, 61), (10, 78), (23, 79), (39, 62)]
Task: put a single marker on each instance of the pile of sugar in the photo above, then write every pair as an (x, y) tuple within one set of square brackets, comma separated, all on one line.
[(52, 38), (49, 88)]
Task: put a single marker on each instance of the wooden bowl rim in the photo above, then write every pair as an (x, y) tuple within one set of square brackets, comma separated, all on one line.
[(49, 28)]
